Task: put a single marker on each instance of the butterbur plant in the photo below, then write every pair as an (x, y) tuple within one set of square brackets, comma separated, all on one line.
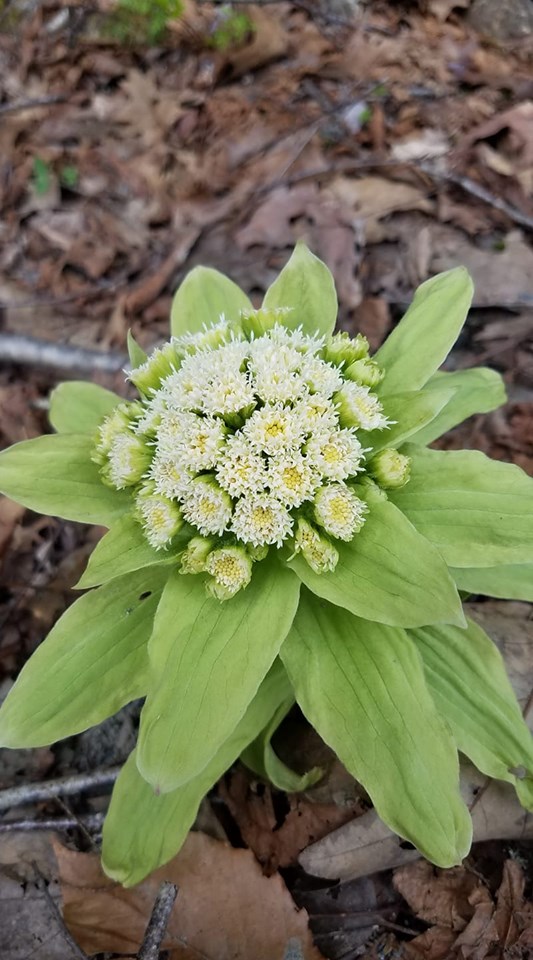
[(279, 531)]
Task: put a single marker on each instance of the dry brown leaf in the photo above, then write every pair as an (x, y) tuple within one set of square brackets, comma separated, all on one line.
[(10, 514), (446, 898), (278, 844), (226, 909), (441, 9), (268, 42)]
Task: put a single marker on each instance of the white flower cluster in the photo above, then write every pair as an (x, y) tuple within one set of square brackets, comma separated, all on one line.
[(244, 439)]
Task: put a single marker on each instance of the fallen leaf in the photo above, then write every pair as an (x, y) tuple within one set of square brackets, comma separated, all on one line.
[(269, 41), (226, 909), (275, 838), (10, 514)]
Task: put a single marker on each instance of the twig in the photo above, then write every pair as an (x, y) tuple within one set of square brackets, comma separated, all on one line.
[(63, 786), (43, 353), (91, 822), (476, 190), (54, 909), (157, 924), (19, 105)]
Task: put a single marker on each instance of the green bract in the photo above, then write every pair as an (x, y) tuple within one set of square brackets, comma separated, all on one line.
[(278, 531)]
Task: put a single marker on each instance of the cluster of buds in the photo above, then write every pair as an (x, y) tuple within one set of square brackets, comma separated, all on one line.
[(250, 437)]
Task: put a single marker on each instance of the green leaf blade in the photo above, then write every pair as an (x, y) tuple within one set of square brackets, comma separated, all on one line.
[(261, 757), (510, 582), (422, 340), (468, 681), (79, 407), (55, 475), (92, 663), (306, 286), (388, 573), (207, 668), (202, 299), (411, 413), (362, 687), (478, 512), (123, 549), (142, 831), (479, 390)]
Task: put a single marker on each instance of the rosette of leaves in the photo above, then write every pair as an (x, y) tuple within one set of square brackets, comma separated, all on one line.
[(279, 531)]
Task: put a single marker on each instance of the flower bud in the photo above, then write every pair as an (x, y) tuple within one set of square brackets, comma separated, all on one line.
[(127, 461), (358, 407), (231, 570), (339, 511), (318, 550), (160, 364), (365, 371), (256, 322), (118, 422), (342, 349), (390, 468), (160, 517), (258, 553), (194, 557)]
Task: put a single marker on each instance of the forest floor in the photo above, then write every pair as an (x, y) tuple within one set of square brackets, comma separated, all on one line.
[(397, 140)]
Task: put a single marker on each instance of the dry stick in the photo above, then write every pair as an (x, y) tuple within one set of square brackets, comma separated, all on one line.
[(67, 936), (92, 821), (63, 786), (157, 924), (476, 190), (44, 353), (31, 104)]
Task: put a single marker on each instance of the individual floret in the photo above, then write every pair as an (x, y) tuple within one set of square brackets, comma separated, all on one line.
[(339, 511)]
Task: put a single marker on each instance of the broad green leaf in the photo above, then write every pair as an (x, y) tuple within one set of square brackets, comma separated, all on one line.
[(260, 757), (142, 831), (202, 299), (466, 676), (55, 475), (92, 662), (472, 391), (409, 412), (388, 572), (422, 340), (79, 407), (306, 285), (362, 687), (135, 352), (124, 548), (478, 512), (207, 662), (512, 582)]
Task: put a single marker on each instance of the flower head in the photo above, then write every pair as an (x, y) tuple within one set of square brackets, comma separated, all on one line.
[(245, 431)]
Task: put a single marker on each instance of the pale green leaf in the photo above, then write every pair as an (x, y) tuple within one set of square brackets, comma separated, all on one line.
[(478, 512), (208, 659), (124, 548), (468, 681), (362, 687), (135, 352), (80, 407), (306, 286), (410, 412), (472, 391), (511, 582), (388, 572), (142, 831), (92, 662), (422, 340), (202, 299), (55, 475), (261, 757)]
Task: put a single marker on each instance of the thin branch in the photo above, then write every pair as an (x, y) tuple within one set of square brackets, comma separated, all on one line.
[(44, 353), (19, 105), (42, 885), (63, 786), (476, 190), (157, 924), (91, 822)]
